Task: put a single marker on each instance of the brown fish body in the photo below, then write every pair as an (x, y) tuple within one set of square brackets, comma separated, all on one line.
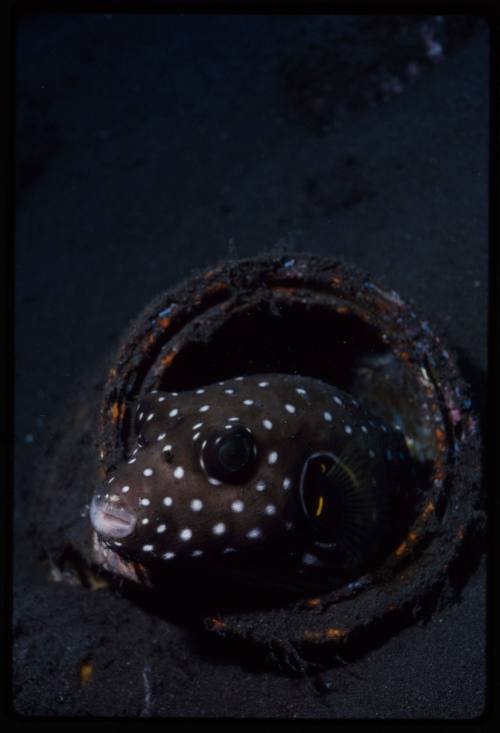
[(276, 462)]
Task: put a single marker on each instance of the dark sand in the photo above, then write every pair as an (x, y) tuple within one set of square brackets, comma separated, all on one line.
[(151, 146)]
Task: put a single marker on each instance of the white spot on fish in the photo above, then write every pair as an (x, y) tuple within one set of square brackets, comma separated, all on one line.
[(204, 408), (168, 555), (263, 384), (186, 534), (161, 528), (270, 509), (144, 502), (219, 528), (348, 429), (260, 486), (327, 416), (173, 412), (286, 483), (290, 408), (125, 489), (147, 548), (267, 424), (196, 505), (254, 533), (148, 472), (167, 501), (150, 416), (237, 506), (179, 472), (272, 457), (248, 402), (161, 436)]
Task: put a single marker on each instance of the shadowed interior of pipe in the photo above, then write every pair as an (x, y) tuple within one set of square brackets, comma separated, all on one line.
[(298, 339)]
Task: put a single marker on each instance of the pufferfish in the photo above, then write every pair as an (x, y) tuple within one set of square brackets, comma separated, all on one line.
[(279, 470)]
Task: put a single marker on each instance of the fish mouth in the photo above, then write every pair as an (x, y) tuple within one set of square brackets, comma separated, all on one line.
[(110, 521), (111, 561)]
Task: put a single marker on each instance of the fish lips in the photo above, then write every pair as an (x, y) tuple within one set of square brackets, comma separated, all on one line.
[(111, 521)]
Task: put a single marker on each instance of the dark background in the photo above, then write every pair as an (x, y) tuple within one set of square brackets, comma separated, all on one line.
[(149, 146)]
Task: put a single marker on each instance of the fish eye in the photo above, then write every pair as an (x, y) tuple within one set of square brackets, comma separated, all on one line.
[(230, 457)]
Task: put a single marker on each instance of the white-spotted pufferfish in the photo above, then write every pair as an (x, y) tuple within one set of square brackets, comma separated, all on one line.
[(258, 466)]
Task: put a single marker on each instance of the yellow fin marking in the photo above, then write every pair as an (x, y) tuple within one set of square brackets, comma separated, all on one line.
[(320, 506)]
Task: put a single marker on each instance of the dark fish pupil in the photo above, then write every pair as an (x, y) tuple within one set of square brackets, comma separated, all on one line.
[(234, 453), (230, 457)]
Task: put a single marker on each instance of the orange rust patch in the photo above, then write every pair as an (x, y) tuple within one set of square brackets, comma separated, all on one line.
[(412, 536), (96, 583), (336, 280), (332, 633), (383, 304), (312, 602), (85, 672), (405, 356), (217, 623), (440, 434), (342, 309), (428, 508), (112, 373), (399, 551), (461, 532), (115, 411), (215, 288), (165, 322), (168, 358)]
